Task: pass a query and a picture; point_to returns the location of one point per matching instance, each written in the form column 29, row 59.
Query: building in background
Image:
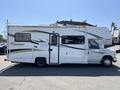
column 2, row 40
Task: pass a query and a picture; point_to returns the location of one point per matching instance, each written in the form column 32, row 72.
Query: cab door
column 94, row 52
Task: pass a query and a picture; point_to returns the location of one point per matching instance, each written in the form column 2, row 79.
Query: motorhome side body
column 57, row 45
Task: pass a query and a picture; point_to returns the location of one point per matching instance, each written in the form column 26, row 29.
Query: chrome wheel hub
column 107, row 62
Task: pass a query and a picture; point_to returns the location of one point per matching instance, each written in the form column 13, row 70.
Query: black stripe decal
column 34, row 42
column 94, row 35
column 14, row 50
column 11, row 35
column 22, row 50
column 73, row 47
column 80, row 49
column 37, row 42
column 37, row 31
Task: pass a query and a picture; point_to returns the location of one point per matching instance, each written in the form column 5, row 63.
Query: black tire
column 107, row 61
column 113, row 42
column 40, row 62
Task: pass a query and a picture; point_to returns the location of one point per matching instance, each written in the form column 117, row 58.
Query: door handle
column 50, row 49
column 88, row 52
column 35, row 46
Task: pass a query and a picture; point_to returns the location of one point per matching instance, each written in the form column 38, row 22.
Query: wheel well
column 42, row 58
column 107, row 56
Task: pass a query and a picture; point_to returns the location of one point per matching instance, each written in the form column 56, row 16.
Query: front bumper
column 114, row 59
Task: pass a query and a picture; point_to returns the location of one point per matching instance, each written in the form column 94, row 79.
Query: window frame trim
column 73, row 36
column 96, row 42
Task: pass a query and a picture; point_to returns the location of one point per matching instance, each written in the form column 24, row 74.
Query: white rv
column 56, row 45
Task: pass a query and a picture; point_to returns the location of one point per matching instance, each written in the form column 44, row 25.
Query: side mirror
column 102, row 46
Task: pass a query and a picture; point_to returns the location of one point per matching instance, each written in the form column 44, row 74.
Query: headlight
column 114, row 54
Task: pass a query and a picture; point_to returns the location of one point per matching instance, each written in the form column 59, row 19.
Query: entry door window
column 54, row 40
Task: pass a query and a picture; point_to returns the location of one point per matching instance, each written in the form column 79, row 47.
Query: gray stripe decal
column 94, row 35
column 99, row 52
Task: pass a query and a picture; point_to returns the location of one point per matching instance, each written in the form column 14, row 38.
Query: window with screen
column 22, row 37
column 73, row 39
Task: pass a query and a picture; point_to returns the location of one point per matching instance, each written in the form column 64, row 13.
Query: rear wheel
column 40, row 62
column 107, row 61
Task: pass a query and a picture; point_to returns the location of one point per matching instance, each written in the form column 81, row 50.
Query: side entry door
column 54, row 40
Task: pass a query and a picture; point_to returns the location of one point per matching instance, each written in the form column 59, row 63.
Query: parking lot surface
column 63, row 77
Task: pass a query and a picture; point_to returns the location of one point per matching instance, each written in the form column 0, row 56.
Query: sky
column 36, row 12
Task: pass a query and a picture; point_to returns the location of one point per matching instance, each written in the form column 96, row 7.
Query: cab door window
column 93, row 44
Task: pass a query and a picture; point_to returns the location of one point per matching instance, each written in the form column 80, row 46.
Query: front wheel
column 107, row 61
